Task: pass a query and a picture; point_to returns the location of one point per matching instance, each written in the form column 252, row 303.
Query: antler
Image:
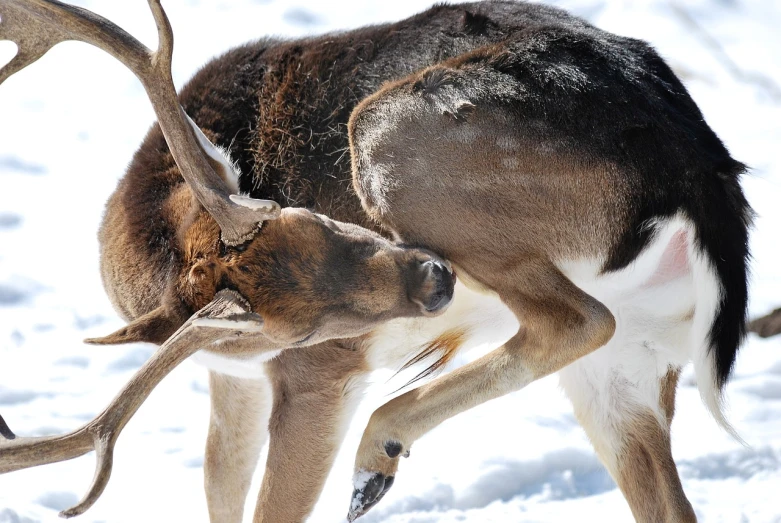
column 38, row 25
column 227, row 314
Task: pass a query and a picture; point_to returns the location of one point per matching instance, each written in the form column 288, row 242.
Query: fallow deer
column 595, row 222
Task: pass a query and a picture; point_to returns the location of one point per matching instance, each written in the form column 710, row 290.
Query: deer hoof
column 370, row 487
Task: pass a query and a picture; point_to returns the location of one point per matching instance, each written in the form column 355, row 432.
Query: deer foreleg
column 237, row 432
column 315, row 393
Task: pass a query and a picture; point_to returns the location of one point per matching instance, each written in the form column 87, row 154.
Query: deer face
column 312, row 279
column 308, row 277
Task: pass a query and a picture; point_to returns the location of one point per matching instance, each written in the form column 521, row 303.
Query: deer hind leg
column 628, row 421
column 560, row 323
column 315, row 393
column 237, row 431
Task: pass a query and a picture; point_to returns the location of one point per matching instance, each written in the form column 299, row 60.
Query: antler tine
column 227, row 313
column 38, row 25
column 165, row 35
column 5, row 431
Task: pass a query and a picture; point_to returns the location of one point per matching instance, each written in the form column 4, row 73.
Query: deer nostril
column 443, row 283
column 434, row 266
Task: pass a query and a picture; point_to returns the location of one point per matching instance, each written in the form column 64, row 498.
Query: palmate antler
column 38, row 25
column 227, row 315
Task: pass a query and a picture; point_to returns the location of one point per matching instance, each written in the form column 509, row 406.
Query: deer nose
column 443, row 281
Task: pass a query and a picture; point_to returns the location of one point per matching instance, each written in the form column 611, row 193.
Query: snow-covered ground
column 69, row 125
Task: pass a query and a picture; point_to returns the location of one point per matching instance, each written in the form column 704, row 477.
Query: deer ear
column 153, row 327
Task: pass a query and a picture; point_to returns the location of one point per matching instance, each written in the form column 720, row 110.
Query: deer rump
column 556, row 132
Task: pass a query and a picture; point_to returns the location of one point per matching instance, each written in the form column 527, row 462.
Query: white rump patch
column 664, row 304
column 709, row 293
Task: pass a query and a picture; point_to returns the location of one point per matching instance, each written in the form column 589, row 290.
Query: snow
column 519, row 458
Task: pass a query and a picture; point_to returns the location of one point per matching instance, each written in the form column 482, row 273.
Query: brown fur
column 647, row 474
column 667, row 389
column 555, row 199
column 504, row 228
column 310, row 388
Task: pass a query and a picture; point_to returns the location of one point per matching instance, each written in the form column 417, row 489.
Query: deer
column 570, row 204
